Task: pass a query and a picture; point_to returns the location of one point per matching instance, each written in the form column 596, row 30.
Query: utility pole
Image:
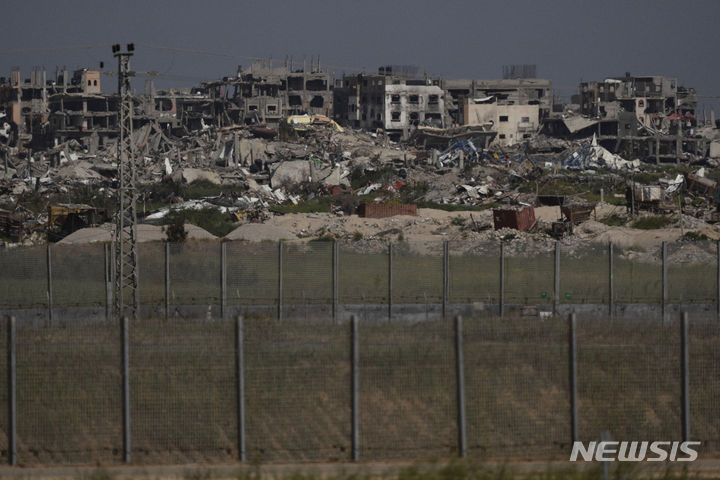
column 126, row 302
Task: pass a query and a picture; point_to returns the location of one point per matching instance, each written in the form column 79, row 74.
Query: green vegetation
column 359, row 177
column 613, row 220
column 695, row 236
column 452, row 207
column 652, row 222
column 211, row 219
column 317, row 204
column 458, row 221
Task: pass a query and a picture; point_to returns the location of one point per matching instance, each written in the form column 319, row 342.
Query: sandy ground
column 429, row 229
column 438, row 225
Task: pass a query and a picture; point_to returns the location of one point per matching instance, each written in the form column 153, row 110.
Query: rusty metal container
column 522, row 219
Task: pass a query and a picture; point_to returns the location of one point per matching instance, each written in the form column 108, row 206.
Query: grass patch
column 613, row 220
column 652, row 222
column 210, row 219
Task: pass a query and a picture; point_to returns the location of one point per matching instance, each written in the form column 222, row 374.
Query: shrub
column 652, row 222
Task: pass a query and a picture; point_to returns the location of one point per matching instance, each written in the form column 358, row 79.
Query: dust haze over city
column 246, row 238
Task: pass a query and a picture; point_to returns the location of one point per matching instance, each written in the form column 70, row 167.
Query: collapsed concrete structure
column 647, row 117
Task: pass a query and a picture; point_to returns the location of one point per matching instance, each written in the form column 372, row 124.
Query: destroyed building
column 263, row 93
column 513, row 123
column 82, row 111
column 507, row 91
column 389, row 101
column 647, row 117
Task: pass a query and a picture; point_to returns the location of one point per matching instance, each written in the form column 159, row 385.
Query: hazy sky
column 568, row 40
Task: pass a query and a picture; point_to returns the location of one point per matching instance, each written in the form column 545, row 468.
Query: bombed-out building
column 506, row 91
column 648, row 117
column 263, row 93
column 389, row 101
column 83, row 110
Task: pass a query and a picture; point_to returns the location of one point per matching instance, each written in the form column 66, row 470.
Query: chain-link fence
column 261, row 390
column 325, row 279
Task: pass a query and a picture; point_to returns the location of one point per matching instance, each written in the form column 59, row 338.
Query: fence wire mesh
column 474, row 274
column 252, row 273
column 183, row 394
column 516, row 376
column 704, row 341
column 68, row 392
column 23, row 281
column 417, row 273
column 363, row 276
column 195, row 276
column 407, row 390
column 78, row 275
column 692, row 272
column 307, row 274
column 529, row 273
column 297, row 384
column 584, row 274
column 637, row 275
column 183, row 385
column 195, row 273
column 151, row 266
column 629, row 379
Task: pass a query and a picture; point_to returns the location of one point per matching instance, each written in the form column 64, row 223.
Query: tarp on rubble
column 592, row 155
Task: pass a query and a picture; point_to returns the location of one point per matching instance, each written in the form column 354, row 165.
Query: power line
column 51, row 49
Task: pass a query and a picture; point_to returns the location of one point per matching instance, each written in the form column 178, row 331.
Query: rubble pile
column 312, row 157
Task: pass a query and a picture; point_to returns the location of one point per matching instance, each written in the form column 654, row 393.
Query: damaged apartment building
column 41, row 111
column 647, row 117
column 394, row 100
column 514, row 106
column 263, row 93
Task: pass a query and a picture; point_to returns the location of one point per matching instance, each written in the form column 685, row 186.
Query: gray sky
column 569, row 40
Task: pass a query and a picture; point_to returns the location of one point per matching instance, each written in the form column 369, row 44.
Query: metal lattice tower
column 126, row 301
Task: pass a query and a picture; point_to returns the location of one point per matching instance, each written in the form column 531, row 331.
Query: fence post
column 502, row 279
column 126, row 387
column 336, row 279
column 108, row 281
column 556, row 294
column 664, row 281
column 167, row 280
column 573, row 378
column 12, row 389
column 355, row 388
column 48, row 259
column 611, row 286
column 446, row 278
column 390, row 280
column 685, row 352
column 280, row 281
column 223, row 280
column 460, row 370
column 240, row 374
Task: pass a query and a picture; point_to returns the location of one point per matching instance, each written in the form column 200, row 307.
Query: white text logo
column 611, row 451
